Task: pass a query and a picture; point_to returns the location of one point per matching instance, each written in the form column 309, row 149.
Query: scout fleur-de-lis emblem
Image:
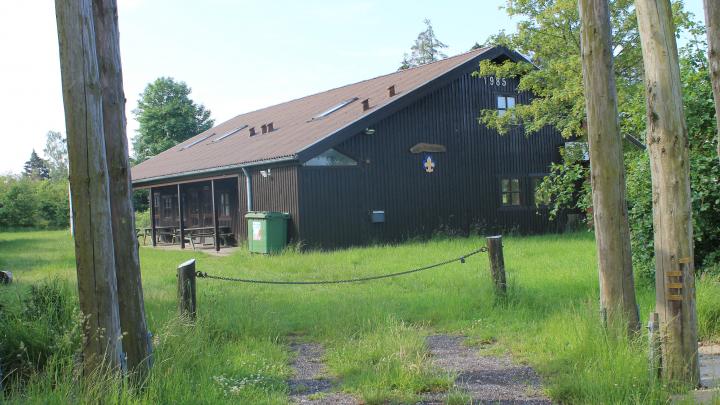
column 428, row 164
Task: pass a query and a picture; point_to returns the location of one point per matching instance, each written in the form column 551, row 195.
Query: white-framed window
column 505, row 103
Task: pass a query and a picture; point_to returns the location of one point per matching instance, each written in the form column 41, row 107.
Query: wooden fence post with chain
column 186, row 290
column 497, row 264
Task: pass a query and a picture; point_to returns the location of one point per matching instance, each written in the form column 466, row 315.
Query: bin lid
column 267, row 215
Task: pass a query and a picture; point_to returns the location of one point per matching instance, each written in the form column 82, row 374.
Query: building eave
column 209, row 172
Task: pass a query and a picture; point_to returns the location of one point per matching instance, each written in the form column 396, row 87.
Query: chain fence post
column 497, row 264
column 186, row 290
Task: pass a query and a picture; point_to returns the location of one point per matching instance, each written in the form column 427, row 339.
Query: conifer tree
column 427, row 48
column 36, row 168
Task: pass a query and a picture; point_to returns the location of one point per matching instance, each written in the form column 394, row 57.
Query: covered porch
column 200, row 214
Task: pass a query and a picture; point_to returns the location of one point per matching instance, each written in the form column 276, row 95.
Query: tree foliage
column 704, row 172
column 56, row 155
column 167, row 116
column 36, row 168
column 427, row 48
column 26, row 202
column 549, row 34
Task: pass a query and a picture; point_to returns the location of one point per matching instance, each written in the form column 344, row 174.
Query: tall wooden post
column 712, row 24
column 153, row 228
column 97, row 281
column 136, row 339
column 186, row 289
column 181, row 220
column 607, row 173
column 497, row 264
column 672, row 218
column 216, row 227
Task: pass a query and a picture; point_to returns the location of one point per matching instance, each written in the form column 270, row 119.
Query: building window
column 505, row 103
column 331, row 157
column 156, row 200
column 510, row 191
column 167, row 207
column 225, row 204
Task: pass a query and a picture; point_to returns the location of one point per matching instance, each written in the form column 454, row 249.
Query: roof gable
column 297, row 135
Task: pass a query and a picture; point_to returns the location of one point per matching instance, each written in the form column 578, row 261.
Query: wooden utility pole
column 712, row 24
column 136, row 340
column 672, row 218
column 97, row 282
column 607, row 170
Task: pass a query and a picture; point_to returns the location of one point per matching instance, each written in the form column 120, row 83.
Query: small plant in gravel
column 458, row 397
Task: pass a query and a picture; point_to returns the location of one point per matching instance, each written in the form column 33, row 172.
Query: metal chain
column 460, row 259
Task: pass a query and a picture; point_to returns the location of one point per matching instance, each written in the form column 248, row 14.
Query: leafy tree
column 427, row 48
column 25, row 202
column 56, row 154
column 549, row 32
column 36, row 168
column 167, row 116
column 18, row 205
column 141, row 200
column 561, row 186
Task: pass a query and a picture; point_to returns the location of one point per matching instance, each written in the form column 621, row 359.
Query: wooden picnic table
column 173, row 232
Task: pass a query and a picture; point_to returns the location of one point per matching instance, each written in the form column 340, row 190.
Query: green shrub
column 53, row 204
column 26, row 203
column 142, row 219
column 18, row 203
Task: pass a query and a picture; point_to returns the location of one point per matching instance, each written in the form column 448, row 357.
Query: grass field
column 374, row 332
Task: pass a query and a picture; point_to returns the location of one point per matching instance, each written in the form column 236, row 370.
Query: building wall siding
column 461, row 195
column 276, row 192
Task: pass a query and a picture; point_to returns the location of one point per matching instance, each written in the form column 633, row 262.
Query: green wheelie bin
column 267, row 231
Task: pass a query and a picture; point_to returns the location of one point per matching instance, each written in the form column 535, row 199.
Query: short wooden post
column 186, row 289
column 654, row 348
column 497, row 264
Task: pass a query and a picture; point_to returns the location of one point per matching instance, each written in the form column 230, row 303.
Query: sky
column 237, row 56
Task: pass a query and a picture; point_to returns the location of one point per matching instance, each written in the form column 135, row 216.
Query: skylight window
column 234, row 131
column 197, row 141
column 334, row 108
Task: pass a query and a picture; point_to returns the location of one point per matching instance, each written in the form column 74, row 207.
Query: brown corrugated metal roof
column 294, row 127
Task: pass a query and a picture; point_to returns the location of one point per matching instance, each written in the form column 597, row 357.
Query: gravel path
column 310, row 384
column 709, row 365
column 487, row 379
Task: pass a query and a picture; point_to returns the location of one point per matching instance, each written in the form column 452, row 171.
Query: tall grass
column 373, row 332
